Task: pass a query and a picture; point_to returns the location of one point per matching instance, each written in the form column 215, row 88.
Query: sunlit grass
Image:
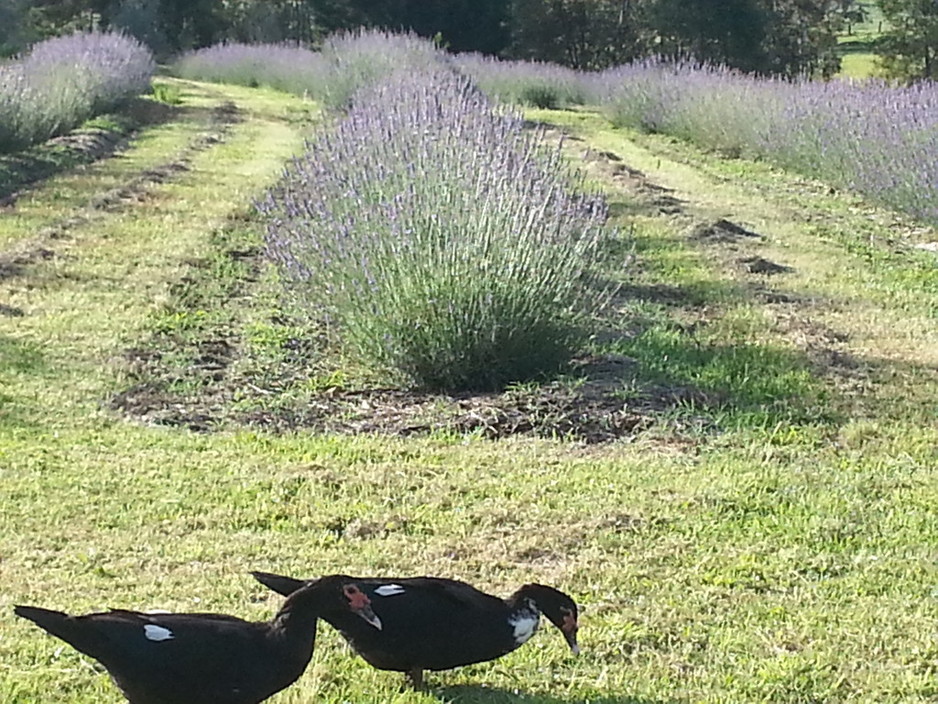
column 859, row 65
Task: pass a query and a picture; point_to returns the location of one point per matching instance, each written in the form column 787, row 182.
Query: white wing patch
column 525, row 625
column 157, row 633
column 389, row 590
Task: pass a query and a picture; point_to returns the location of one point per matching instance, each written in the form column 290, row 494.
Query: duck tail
column 279, row 583
column 59, row 624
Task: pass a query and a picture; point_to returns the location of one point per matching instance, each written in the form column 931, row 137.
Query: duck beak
column 569, row 628
column 571, row 641
column 367, row 613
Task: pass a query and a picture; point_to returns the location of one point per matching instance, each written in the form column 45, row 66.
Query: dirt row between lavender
column 97, row 247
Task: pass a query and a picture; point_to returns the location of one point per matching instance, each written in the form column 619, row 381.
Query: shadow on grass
column 478, row 694
column 652, row 203
column 753, row 383
column 21, row 357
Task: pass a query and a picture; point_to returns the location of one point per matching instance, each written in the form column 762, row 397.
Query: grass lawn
column 767, row 533
column 858, row 65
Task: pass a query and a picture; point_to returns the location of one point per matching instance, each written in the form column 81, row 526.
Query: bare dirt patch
column 11, row 311
column 722, row 231
column 761, row 265
column 600, row 402
column 656, row 198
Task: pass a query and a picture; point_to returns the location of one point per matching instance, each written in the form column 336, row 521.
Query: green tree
column 579, row 33
column 730, row 32
column 23, row 22
column 801, row 37
column 780, row 37
column 305, row 21
column 15, row 32
column 461, row 25
column 139, row 18
column 909, row 48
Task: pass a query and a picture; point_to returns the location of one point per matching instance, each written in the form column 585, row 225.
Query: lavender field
column 876, row 139
column 346, row 63
column 496, row 322
column 421, row 185
column 64, row 81
column 535, row 84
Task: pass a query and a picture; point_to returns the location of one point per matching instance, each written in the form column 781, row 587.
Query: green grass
column 859, row 65
column 771, row 538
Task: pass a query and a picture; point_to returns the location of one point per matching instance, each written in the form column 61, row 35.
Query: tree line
column 769, row 37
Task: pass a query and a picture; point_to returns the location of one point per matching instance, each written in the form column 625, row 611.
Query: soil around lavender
column 590, row 410
column 214, row 379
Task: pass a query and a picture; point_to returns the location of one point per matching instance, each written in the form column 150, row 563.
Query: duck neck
column 525, row 615
column 298, row 615
column 523, row 601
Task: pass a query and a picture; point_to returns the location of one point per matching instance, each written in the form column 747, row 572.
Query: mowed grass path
column 777, row 543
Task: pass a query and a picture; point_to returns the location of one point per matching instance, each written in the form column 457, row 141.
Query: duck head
column 559, row 609
column 358, row 602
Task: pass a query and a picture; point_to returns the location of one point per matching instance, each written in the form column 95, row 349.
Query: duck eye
column 356, row 597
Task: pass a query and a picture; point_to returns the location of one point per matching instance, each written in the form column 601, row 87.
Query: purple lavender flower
column 66, row 80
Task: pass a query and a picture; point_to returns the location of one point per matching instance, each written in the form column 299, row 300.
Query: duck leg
column 415, row 678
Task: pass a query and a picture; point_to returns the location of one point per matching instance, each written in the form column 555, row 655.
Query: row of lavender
column 346, row 63
column 66, row 80
column 876, row 139
column 438, row 237
column 350, row 61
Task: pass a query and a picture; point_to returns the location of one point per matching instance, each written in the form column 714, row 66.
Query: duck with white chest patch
column 432, row 623
column 196, row 658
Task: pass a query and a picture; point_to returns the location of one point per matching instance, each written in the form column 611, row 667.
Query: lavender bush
column 538, row 84
column 66, row 80
column 871, row 137
column 286, row 67
column 347, row 63
column 716, row 107
column 359, row 59
column 438, row 236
